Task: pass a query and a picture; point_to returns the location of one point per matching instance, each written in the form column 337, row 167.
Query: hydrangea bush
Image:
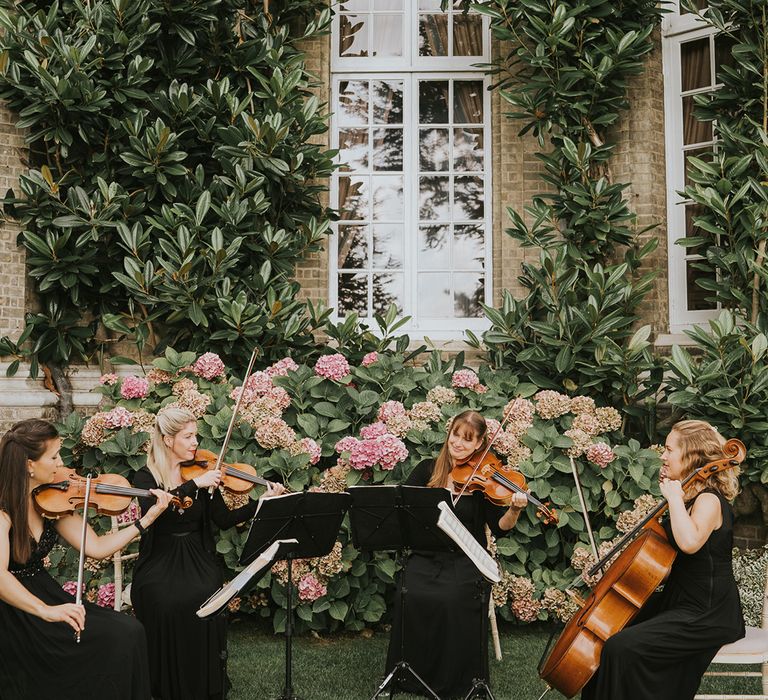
column 335, row 423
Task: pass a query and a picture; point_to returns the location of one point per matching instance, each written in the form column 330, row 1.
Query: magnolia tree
column 332, row 425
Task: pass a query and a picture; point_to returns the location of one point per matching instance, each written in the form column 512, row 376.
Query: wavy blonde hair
column 473, row 423
column 700, row 444
column 169, row 423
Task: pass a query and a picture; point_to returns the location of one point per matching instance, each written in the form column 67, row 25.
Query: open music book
column 229, row 590
column 452, row 526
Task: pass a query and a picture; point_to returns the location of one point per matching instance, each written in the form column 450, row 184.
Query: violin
column 235, row 478
column 497, row 482
column 111, row 494
column 623, row 590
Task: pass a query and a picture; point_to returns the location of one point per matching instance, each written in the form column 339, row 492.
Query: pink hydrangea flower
column 390, row 409
column 310, row 588
column 370, row 358
column 282, row 367
column 71, row 587
column 333, row 367
column 307, row 446
column 464, row 379
column 346, row 444
column 108, row 379
column 373, row 430
column 106, row 596
column 134, row 388
column 386, row 451
column 601, row 454
column 208, row 366
column 118, row 417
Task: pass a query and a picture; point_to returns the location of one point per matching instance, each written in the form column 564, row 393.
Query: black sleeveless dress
column 664, row 654
column 176, row 572
column 443, row 632
column 40, row 659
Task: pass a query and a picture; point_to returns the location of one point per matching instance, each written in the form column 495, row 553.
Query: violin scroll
column 547, row 514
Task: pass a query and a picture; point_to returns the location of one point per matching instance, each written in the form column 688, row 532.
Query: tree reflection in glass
column 388, row 149
column 353, row 35
column 434, row 198
column 353, row 198
column 353, row 103
column 469, row 246
column 434, row 252
column 467, row 35
column 468, row 101
column 468, row 197
column 353, row 149
column 433, row 35
column 387, row 289
column 468, row 149
column 468, row 293
column 353, row 294
column 387, row 246
column 387, row 102
column 433, row 101
column 388, row 198
column 353, row 247
column 433, row 149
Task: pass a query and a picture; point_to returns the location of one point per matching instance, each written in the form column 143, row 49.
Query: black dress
column 665, row 653
column 178, row 570
column 446, row 608
column 40, row 659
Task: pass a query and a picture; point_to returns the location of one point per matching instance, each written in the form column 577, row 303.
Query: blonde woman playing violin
column 178, row 569
column 39, row 657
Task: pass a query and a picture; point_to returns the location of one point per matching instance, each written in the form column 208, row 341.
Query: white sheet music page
column 453, row 527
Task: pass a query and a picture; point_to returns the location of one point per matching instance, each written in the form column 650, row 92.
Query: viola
column 235, row 477
column 497, row 482
column 624, row 588
column 110, row 494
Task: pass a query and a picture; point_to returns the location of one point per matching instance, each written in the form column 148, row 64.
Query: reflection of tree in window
column 387, row 290
column 433, row 35
column 469, row 293
column 353, row 198
column 353, row 294
column 434, row 199
column 352, row 248
column 468, row 198
column 433, row 149
column 388, row 149
column 433, row 101
column 353, row 102
column 387, row 102
column 353, row 35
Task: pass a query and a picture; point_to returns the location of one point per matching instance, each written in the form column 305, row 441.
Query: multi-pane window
column 692, row 54
column 413, row 188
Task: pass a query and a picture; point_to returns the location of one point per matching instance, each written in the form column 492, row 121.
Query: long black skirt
column 443, row 632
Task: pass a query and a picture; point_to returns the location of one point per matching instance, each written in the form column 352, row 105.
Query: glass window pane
column 387, row 289
column 434, row 251
column 387, row 35
column 353, row 247
column 388, row 246
column 468, row 198
column 387, row 4
column 353, row 198
column 353, row 149
column 469, row 292
column 694, row 131
column 434, row 291
column 723, row 47
column 433, row 35
column 468, row 149
column 433, row 101
column 353, row 102
column 468, row 247
column 433, row 149
column 694, row 64
column 388, row 198
column 354, row 5
column 434, row 198
column 388, row 149
column 697, row 297
column 467, row 35
column 353, row 294
column 693, row 211
column 429, row 5
column 468, row 101
column 387, row 102
column 353, row 35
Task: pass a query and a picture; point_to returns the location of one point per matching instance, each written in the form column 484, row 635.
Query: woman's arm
column 13, row 593
column 509, row 519
column 101, row 547
column 691, row 530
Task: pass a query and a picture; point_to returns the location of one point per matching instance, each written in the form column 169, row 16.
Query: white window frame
column 676, row 30
column 410, row 69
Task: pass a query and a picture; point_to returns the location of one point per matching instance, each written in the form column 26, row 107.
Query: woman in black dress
column 39, row 657
column 178, row 570
column 444, row 636
column 664, row 654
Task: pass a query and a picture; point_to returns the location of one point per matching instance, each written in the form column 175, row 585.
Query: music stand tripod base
column 396, row 674
column 479, row 689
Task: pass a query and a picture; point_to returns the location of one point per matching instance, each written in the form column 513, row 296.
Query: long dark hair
column 25, row 440
column 473, row 423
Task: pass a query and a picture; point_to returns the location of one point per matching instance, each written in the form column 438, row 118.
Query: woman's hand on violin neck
column 211, row 478
column 273, row 489
column 71, row 613
column 163, row 500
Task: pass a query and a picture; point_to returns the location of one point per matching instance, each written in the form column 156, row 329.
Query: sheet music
column 228, row 591
column 452, row 526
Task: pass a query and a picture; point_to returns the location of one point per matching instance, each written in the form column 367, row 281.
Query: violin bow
column 584, row 510
column 235, row 409
column 83, row 535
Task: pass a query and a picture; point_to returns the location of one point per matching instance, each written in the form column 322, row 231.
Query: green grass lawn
column 350, row 667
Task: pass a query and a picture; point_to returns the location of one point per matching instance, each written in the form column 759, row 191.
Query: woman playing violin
column 177, row 569
column 447, row 598
column 664, row 653
column 39, row 657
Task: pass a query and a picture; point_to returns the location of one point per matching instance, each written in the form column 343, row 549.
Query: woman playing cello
column 664, row 653
column 39, row 657
column 447, row 597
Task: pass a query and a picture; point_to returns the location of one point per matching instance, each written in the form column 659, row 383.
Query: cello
column 627, row 584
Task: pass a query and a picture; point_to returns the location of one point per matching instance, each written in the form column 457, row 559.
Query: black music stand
column 314, row 520
column 398, row 518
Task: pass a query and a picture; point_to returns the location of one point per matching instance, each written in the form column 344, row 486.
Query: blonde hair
column 700, row 444
column 476, row 424
column 170, row 422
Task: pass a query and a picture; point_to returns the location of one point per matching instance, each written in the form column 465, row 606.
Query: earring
column 31, row 475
